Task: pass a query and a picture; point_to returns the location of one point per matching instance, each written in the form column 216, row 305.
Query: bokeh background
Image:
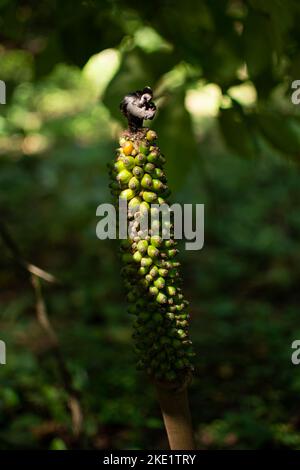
column 222, row 73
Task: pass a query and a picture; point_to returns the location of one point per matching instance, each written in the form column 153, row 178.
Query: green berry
column 173, row 273
column 181, row 333
column 153, row 290
column 144, row 207
column 155, row 225
column 124, row 176
column 149, row 196
column 154, row 271
column 149, row 167
column 153, row 156
column 146, row 181
column 156, row 241
column 143, row 270
column 119, row 166
column 172, row 253
column 140, row 159
column 146, row 261
column 137, row 257
column 183, row 323
column 161, row 298
column 134, row 183
column 128, row 162
column 157, row 185
column 144, row 148
column 134, row 203
column 152, row 251
column 151, row 135
column 159, row 173
column 171, row 290
column 138, row 172
column 159, row 283
column 170, row 316
column 149, row 278
column 163, row 272
column 142, row 246
column 144, row 282
column 127, row 194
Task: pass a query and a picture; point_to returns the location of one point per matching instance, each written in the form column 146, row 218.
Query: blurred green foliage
column 67, row 65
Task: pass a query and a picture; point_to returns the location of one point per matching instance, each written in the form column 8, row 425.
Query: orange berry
column 127, row 148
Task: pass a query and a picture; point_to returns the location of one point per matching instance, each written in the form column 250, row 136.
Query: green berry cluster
column 150, row 269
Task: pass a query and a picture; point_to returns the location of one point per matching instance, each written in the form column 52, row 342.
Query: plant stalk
column 175, row 409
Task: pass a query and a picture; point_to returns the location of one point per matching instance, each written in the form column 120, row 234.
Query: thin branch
column 20, row 261
column 35, row 274
column 45, row 324
column 38, row 272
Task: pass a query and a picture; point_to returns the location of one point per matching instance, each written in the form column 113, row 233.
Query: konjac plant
column 151, row 270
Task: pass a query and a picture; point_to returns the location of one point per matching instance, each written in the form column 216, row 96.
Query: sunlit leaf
column 101, row 68
column 150, row 41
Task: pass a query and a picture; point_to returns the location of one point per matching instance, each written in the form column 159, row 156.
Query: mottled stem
column 177, row 417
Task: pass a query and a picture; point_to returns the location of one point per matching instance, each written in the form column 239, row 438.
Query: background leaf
column 283, row 132
column 176, row 139
column 237, row 134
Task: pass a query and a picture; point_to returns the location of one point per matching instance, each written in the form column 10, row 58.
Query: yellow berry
column 127, row 148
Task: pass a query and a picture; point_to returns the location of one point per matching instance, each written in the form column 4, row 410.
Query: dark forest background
column 223, row 72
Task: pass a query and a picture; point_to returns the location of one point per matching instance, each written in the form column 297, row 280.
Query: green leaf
column 236, row 133
column 176, row 139
column 101, row 68
column 281, row 16
column 150, row 41
column 258, row 46
column 283, row 132
column 138, row 69
column 16, row 65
